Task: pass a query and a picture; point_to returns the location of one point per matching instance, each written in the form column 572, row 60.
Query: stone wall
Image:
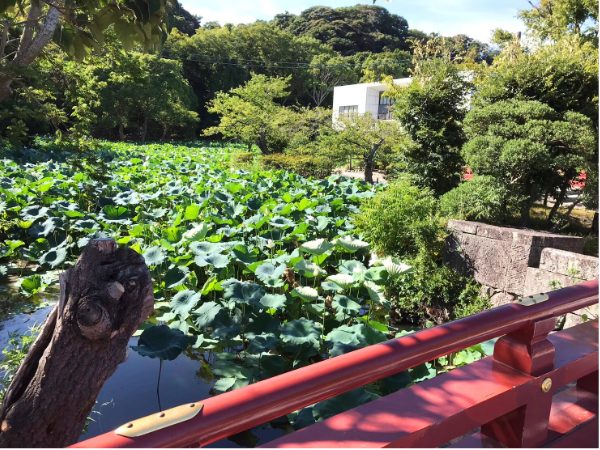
column 559, row 268
column 500, row 258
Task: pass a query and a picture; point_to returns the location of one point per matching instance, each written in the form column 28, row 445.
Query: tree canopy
column 28, row 26
column 349, row 30
column 528, row 147
column 431, row 109
column 250, row 112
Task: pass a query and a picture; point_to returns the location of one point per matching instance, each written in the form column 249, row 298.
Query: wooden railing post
column 589, row 383
column 529, row 351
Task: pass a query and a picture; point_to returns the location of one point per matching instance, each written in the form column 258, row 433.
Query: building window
column 384, row 111
column 348, row 110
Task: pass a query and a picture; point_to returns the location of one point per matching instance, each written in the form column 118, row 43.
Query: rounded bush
column 402, row 220
column 482, row 198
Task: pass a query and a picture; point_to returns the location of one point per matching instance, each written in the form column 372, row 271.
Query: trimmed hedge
column 305, row 165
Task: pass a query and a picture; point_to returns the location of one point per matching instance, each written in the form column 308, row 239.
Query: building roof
column 397, row 81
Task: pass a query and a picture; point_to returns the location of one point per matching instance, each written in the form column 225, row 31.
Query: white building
column 364, row 98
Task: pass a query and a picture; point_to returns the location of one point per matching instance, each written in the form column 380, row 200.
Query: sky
column 475, row 18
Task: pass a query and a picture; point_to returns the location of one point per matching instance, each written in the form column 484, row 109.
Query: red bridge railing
column 539, row 388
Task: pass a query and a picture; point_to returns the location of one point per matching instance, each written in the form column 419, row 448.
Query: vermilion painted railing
column 523, row 362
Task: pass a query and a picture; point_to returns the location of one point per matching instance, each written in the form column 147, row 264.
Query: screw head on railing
column 546, row 385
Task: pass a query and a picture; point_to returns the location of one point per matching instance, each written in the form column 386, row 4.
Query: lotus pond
column 255, row 272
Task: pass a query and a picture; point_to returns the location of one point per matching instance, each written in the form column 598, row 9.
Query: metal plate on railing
column 160, row 420
column 533, row 299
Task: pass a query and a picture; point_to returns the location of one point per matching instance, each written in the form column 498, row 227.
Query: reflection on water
column 131, row 391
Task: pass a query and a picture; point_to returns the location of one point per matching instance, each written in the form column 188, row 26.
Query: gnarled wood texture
column 103, row 300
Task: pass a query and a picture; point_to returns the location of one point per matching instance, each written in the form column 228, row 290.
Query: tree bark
column 557, row 202
column 121, row 132
column 103, row 300
column 30, row 46
column 5, row 87
column 368, row 170
column 26, row 55
column 144, row 130
column 262, row 143
column 369, row 161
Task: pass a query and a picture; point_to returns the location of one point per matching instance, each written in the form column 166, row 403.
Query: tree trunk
column 368, row 170
column 262, row 143
column 5, row 89
column 594, row 227
column 369, row 161
column 103, row 300
column 121, row 132
column 144, row 129
column 165, row 131
column 44, row 33
column 573, row 205
column 525, row 218
column 557, row 202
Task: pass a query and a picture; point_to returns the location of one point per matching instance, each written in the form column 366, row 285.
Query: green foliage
column 482, row 198
column 432, row 292
column 223, row 58
column 553, row 19
column 32, row 25
column 364, row 138
column 13, row 355
column 250, row 114
column 431, row 110
column 256, row 267
column 349, row 29
column 528, row 147
column 404, row 221
column 378, row 66
column 327, row 71
column 115, row 96
column 563, row 75
column 401, row 220
column 305, row 165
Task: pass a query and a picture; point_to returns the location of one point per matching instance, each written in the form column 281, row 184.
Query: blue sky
column 475, row 18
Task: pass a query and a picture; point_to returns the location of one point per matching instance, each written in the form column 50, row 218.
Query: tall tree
column 377, row 66
column 250, row 112
column 327, row 71
column 364, row 138
column 28, row 26
column 529, row 148
column 350, row 29
column 431, row 109
column 554, row 19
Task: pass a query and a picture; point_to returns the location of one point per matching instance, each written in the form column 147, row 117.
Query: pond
column 131, row 392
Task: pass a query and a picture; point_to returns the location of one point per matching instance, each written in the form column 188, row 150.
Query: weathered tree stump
column 103, row 300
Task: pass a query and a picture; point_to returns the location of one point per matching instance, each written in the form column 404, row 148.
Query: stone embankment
column 511, row 262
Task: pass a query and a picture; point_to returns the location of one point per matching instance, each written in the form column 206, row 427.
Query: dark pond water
column 131, row 392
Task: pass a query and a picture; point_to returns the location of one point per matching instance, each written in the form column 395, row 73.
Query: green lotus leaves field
column 258, row 272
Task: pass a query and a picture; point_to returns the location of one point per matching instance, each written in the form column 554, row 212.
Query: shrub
column 483, row 198
column 305, row 165
column 433, row 292
column 401, row 220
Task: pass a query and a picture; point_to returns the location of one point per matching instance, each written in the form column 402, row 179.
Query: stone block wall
column 499, row 257
column 559, row 268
